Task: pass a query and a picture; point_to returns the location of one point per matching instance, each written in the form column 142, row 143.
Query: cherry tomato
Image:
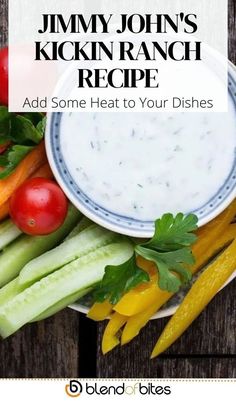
column 38, row 206
column 4, row 76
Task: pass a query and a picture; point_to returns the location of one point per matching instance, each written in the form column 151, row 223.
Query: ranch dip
column 141, row 165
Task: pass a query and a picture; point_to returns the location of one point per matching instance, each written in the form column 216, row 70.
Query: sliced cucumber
column 9, row 291
column 83, row 224
column 8, row 233
column 62, row 304
column 74, row 277
column 83, row 243
column 22, row 250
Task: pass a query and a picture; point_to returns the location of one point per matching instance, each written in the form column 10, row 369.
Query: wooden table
column 68, row 345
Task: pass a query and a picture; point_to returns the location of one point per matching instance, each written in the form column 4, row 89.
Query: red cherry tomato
column 38, row 206
column 4, row 76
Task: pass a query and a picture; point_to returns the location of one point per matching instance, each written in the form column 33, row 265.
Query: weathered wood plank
column 208, row 367
column 45, row 349
column 181, row 367
column 213, row 333
column 232, row 30
column 3, row 22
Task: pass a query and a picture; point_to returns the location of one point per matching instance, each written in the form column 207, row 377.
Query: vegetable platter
column 53, row 256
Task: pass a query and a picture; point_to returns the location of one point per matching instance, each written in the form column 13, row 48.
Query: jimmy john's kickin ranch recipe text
column 132, row 57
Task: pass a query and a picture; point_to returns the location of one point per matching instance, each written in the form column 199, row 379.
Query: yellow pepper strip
column 226, row 216
column 212, row 230
column 226, row 237
column 100, row 311
column 110, row 339
column 207, row 235
column 140, row 298
column 201, row 293
column 209, row 242
column 138, row 321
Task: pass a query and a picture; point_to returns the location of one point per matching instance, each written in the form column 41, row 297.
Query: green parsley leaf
column 11, row 158
column 169, row 249
column 22, row 130
column 172, row 233
column 118, row 280
column 41, row 126
column 4, row 125
column 169, row 264
column 34, row 117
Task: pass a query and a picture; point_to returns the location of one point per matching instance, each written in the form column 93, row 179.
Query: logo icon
column 74, row 388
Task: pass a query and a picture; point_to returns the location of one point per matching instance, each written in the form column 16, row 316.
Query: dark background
column 68, row 345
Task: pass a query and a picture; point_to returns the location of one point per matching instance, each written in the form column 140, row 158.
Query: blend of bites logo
column 75, row 388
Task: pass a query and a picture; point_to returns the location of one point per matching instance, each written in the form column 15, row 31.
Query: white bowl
column 124, row 224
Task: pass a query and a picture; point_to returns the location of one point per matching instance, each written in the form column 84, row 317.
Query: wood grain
column 51, row 348
column 180, row 367
column 3, row 22
column 212, row 334
column 232, row 30
column 46, row 349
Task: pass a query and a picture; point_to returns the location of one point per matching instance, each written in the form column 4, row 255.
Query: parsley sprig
column 169, row 249
column 22, row 132
column 119, row 280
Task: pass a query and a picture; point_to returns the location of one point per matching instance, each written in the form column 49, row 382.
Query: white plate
column 167, row 311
